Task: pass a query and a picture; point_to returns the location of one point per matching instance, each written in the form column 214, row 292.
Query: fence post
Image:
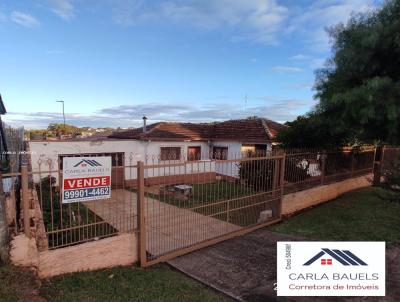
column 4, row 237
column 25, row 200
column 141, row 214
column 228, row 208
column 282, row 182
column 323, row 158
column 378, row 165
column 275, row 182
column 352, row 163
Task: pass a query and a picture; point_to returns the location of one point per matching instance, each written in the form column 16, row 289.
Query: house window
column 194, row 153
column 170, row 153
column 248, row 150
column 220, row 153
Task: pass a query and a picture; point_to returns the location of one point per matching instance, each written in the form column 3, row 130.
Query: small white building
column 193, row 145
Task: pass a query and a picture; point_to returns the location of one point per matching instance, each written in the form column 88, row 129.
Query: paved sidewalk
column 168, row 227
column 245, row 268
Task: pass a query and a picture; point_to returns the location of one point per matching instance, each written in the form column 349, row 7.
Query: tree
column 58, row 129
column 312, row 131
column 359, row 88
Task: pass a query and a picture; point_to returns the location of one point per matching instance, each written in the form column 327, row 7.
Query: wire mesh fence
column 306, row 169
column 390, row 154
column 188, row 198
column 72, row 223
column 186, row 203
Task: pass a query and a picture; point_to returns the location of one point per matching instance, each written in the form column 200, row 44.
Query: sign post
column 86, row 178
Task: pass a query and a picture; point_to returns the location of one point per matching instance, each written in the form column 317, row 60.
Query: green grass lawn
column 18, row 284
column 158, row 283
column 207, row 193
column 356, row 216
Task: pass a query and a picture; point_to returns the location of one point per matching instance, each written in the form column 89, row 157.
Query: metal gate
column 185, row 206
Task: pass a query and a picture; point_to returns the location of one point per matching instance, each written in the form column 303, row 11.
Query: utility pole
column 62, row 112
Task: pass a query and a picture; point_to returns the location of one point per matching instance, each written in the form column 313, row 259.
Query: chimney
column 144, row 124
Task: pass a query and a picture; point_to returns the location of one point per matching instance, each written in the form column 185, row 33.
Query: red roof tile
column 255, row 130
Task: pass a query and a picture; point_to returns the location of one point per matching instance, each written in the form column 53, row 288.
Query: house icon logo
column 90, row 162
column 344, row 257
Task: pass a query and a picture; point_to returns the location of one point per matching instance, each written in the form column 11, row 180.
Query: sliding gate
column 184, row 206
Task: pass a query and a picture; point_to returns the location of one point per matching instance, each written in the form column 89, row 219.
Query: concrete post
column 4, row 240
column 25, row 200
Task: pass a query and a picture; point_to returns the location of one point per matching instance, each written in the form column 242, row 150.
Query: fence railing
column 237, row 190
column 184, row 209
column 390, row 154
column 306, row 169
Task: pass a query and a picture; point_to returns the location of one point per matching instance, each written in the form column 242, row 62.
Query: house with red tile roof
column 166, row 142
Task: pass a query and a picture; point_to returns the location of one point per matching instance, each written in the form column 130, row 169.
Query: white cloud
column 24, row 19
column 54, row 52
column 265, row 21
column 287, row 69
column 299, row 57
column 63, row 8
column 3, row 16
column 258, row 20
column 317, row 63
column 131, row 115
column 313, row 20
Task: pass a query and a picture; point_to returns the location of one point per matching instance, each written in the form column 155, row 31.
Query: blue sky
column 113, row 61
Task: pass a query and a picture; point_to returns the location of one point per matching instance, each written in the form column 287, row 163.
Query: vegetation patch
column 360, row 215
column 158, row 283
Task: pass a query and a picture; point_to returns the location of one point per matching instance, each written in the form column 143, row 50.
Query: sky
column 113, row 61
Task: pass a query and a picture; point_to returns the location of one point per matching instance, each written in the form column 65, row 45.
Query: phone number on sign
column 82, row 193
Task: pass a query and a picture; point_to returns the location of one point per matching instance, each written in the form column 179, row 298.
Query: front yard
column 356, row 216
column 219, row 200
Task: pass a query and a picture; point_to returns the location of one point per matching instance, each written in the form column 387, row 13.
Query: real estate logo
column 85, row 178
column 90, row 162
column 330, row 269
column 344, row 257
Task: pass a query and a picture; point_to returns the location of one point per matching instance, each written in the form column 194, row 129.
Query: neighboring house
column 167, row 142
column 3, row 142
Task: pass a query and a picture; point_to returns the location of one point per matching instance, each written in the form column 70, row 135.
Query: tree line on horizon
column 57, row 130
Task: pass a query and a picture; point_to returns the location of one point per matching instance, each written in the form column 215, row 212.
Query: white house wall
column 47, row 152
column 153, row 150
column 134, row 150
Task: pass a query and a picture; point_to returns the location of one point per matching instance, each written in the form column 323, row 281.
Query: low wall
column 104, row 253
column 297, row 201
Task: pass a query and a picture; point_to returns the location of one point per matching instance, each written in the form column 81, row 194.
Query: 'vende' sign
column 86, row 178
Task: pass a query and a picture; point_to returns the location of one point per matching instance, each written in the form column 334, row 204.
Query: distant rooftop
column 2, row 107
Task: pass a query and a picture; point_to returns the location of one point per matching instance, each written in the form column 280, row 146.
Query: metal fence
column 305, row 169
column 180, row 203
column 188, row 205
column 390, row 154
